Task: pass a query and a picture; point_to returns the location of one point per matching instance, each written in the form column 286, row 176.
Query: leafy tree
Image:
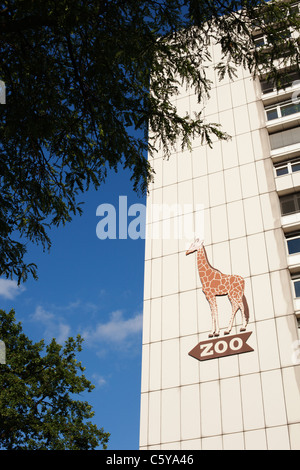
column 78, row 75
column 38, row 386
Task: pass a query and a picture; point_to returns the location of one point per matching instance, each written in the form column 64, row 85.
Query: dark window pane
column 296, row 166
column 288, row 206
column 282, row 170
column 293, row 245
column 297, row 288
column 272, row 114
column 289, row 109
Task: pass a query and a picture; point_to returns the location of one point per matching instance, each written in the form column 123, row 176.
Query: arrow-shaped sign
column 221, row 347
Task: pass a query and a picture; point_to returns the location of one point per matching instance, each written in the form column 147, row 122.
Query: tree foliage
column 38, row 389
column 78, row 104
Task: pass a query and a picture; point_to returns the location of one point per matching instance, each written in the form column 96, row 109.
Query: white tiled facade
column 245, row 401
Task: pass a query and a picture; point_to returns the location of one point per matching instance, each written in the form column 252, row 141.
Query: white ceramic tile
column 245, row 148
column 262, row 297
column 210, row 408
column 143, row 437
column 155, row 321
column 229, row 366
column 170, row 204
column 155, row 366
column 233, row 441
column 273, row 398
column 189, row 366
column 256, row 115
column 188, row 313
column 267, row 344
column 261, row 144
column 232, row 184
column 288, row 341
column 275, row 243
column 147, row 279
column 281, row 292
column 278, row 438
column 253, row 414
column 200, row 189
column 145, row 368
column 231, row 406
column 170, row 274
column 291, row 380
column 170, row 415
column 157, row 165
column 219, row 226
column 169, row 170
column 190, row 412
column 241, row 119
column 170, row 235
column 294, row 431
column 185, row 193
column 265, row 175
column 170, row 363
column 192, row 444
column 156, row 277
column 253, row 218
column 156, row 203
column 146, row 321
column 170, row 316
column 224, row 97
column 239, row 257
column 199, row 160
column 236, row 219
column 211, row 104
column 187, row 271
column 257, row 254
column 230, row 157
column 270, row 210
column 212, row 443
column 227, row 121
column 248, row 180
column 184, row 160
column 154, row 417
column 238, row 93
column 156, row 238
column 256, row 440
column 216, row 188
column 214, row 157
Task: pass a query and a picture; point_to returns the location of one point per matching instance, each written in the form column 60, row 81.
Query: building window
column 293, row 243
column 288, row 80
column 296, row 283
column 290, row 203
column 288, row 167
column 284, row 109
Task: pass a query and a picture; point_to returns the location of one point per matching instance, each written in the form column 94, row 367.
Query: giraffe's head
column 195, row 246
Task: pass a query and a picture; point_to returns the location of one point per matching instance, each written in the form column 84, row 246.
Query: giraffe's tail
column 246, row 308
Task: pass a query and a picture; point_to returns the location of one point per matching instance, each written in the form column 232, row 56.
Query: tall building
column 238, row 389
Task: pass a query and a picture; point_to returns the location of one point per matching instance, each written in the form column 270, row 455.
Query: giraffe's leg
column 235, row 307
column 245, row 321
column 215, row 331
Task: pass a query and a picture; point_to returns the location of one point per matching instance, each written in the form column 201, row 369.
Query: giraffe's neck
column 204, row 268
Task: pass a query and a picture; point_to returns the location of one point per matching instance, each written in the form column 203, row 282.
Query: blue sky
column 95, row 288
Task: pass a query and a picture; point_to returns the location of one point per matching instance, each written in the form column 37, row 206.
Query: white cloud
column 98, row 380
column 116, row 330
column 9, row 289
column 55, row 327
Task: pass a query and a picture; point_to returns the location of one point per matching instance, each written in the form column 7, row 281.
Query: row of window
column 283, row 109
column 287, row 167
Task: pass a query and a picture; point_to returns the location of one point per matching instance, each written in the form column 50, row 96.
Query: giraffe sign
column 215, row 283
